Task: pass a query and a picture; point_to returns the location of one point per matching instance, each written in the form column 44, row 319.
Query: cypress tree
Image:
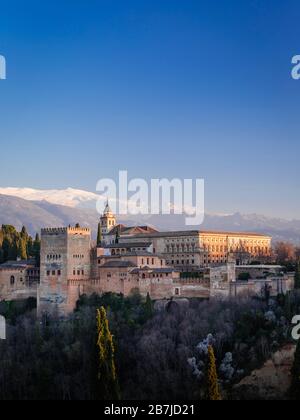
column 37, row 249
column 117, row 236
column 148, row 307
column 99, row 235
column 288, row 312
column 213, row 392
column 24, row 233
column 108, row 387
column 29, row 247
column 297, row 276
column 22, row 249
column 295, row 386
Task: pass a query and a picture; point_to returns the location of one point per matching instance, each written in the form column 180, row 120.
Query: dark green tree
column 149, row 307
column 29, row 247
column 99, row 235
column 297, row 276
column 117, row 236
column 295, row 387
column 37, row 249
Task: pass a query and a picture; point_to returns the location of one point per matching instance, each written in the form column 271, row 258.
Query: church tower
column 108, row 220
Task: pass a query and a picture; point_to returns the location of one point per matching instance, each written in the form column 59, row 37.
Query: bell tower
column 108, row 220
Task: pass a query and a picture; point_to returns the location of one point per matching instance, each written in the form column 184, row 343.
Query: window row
column 78, row 272
column 53, row 257
column 53, row 273
column 149, row 261
column 181, row 262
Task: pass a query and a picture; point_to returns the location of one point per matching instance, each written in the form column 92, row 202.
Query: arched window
column 12, row 280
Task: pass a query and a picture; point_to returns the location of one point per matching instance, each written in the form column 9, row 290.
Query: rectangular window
column 53, row 273
column 48, row 273
column 59, row 273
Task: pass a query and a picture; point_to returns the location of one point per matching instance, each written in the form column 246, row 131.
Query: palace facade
column 165, row 265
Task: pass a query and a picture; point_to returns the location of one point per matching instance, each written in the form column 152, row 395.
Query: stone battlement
column 63, row 230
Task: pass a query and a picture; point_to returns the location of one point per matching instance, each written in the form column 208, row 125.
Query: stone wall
column 14, row 284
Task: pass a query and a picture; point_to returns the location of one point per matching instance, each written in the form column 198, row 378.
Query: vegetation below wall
column 14, row 245
column 158, row 355
column 13, row 310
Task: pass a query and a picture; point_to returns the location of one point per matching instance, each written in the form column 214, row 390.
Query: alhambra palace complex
column 167, row 265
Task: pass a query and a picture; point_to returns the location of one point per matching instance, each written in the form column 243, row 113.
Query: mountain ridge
column 37, row 214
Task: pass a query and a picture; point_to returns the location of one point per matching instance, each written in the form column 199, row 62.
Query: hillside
column 37, row 214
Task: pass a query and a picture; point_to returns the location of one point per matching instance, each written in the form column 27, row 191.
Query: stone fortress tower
column 108, row 221
column 65, row 261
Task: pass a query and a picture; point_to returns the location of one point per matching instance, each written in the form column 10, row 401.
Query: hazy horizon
column 58, row 196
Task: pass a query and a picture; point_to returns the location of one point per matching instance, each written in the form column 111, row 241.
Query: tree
column 244, row 276
column 29, row 247
column 295, row 387
column 22, row 248
column 285, row 252
column 108, row 386
column 36, row 249
column 14, row 244
column 24, row 234
column 148, row 307
column 213, row 392
column 99, row 235
column 297, row 253
column 267, row 292
column 297, row 276
column 117, row 236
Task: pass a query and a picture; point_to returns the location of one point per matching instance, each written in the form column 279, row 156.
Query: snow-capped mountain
column 69, row 197
column 41, row 208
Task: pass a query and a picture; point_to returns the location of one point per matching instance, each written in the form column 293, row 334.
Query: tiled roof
column 196, row 233
column 130, row 245
column 141, row 254
column 118, row 264
column 18, row 264
column 132, row 230
column 153, row 270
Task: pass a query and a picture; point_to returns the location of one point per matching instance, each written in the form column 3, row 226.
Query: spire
column 107, row 209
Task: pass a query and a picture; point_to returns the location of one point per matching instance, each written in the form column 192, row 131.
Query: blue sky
column 169, row 88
